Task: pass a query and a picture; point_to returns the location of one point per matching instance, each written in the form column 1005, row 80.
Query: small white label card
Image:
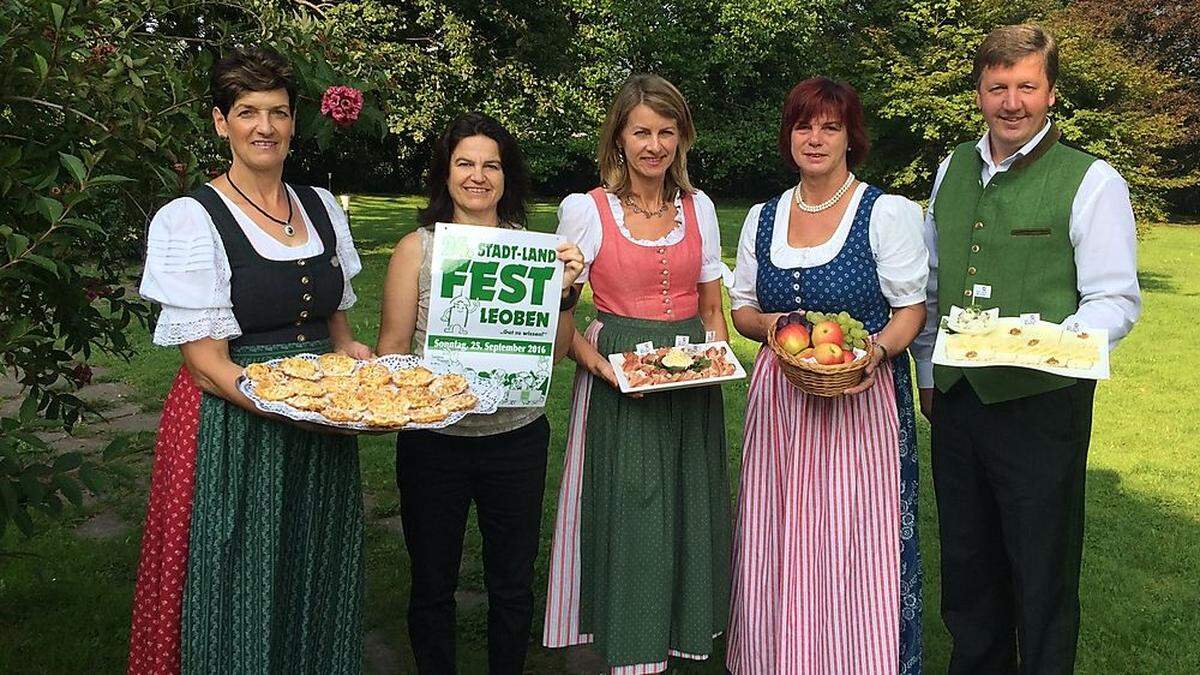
column 982, row 291
column 1030, row 318
column 681, row 340
column 710, row 336
column 644, row 348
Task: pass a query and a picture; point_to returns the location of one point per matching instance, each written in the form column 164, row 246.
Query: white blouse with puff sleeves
column 187, row 270
column 901, row 259
column 579, row 221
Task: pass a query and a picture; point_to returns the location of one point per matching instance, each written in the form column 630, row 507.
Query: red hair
column 819, row 97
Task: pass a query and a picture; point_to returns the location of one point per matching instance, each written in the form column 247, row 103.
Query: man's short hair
column 1006, row 45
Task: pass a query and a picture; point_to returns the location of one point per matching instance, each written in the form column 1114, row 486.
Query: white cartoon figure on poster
column 458, row 314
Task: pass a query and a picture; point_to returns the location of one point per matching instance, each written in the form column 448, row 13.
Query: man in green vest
column 1021, row 222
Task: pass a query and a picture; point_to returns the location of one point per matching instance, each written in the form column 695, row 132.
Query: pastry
column 314, row 403
column 428, row 414
column 447, row 385
column 259, row 372
column 385, row 401
column 301, row 368
column 373, row 374
column 335, row 383
column 412, row 377
column 459, row 402
column 307, row 388
column 341, row 415
column 336, row 364
column 351, row 400
column 391, row 420
column 417, row 397
column 272, row 390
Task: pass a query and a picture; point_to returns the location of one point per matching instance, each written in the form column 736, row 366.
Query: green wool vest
column 1013, row 235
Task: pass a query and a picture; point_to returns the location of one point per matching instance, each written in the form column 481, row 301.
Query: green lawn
column 67, row 609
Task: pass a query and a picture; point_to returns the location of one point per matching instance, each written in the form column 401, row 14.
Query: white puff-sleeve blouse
column 901, row 259
column 579, row 221
column 187, row 270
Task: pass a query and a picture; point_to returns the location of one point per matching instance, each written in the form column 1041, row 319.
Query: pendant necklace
column 648, row 214
column 817, row 208
column 286, row 224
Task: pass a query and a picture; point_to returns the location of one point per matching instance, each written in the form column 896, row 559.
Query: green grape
column 860, row 343
column 843, row 316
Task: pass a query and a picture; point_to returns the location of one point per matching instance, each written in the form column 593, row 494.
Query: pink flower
column 342, row 104
column 82, row 374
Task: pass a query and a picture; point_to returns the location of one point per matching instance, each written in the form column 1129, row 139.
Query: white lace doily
column 489, row 394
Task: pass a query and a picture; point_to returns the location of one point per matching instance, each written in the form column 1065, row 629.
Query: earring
column 620, row 155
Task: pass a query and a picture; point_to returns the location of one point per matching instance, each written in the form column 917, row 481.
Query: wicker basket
column 817, row 379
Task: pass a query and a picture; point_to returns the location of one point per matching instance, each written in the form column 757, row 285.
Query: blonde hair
column 663, row 98
column 1006, row 45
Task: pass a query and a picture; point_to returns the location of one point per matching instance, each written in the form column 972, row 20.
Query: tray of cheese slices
column 389, row 393
column 1023, row 343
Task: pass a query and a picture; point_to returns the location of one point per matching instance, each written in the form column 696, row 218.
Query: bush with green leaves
column 104, row 116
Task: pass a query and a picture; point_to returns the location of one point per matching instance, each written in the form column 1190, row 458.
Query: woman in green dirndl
column 252, row 550
column 640, row 562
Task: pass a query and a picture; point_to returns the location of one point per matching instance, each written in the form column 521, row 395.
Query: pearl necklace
column 817, row 208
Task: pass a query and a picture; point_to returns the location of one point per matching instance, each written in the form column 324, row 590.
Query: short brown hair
column 663, row 98
column 818, row 97
column 1006, row 45
column 251, row 69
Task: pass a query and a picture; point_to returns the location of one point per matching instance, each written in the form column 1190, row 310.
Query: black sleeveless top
column 278, row 301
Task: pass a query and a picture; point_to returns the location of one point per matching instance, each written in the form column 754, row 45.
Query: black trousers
column 1009, row 479
column 438, row 476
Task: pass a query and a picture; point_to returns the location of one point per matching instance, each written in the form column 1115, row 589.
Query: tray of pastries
column 389, row 393
column 691, row 365
column 1039, row 345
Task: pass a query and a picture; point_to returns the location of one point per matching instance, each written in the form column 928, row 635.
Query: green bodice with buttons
column 1014, row 236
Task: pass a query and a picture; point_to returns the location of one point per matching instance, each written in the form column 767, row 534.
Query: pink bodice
column 646, row 282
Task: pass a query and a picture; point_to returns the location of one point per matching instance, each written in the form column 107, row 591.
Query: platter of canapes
column 1024, row 343
column 392, row 392
column 679, row 367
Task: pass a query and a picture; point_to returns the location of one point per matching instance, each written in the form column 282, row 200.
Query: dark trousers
column 438, row 476
column 1009, row 479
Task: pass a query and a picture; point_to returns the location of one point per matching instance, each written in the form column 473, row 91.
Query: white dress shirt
column 895, row 238
column 187, row 270
column 1103, row 233
column 579, row 221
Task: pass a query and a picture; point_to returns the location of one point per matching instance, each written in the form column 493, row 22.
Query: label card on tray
column 710, row 336
column 644, row 348
column 681, row 340
column 1031, row 318
column 982, row 291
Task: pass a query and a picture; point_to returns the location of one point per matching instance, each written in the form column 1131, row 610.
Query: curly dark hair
column 511, row 207
column 251, row 69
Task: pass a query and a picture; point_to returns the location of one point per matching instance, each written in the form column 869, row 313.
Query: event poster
column 493, row 307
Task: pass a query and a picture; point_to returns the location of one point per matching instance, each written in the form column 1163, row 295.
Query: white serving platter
column 488, row 393
column 1099, row 371
column 738, row 371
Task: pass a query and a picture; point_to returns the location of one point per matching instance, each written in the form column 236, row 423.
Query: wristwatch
column 569, row 299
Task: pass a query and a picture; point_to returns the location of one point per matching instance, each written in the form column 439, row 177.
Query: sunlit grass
column 68, row 610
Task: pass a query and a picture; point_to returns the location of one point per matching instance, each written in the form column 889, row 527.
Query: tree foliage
column 103, row 117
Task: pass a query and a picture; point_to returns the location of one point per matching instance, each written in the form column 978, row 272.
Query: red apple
column 827, row 332
column 847, row 356
column 828, row 353
column 792, row 338
column 805, row 354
